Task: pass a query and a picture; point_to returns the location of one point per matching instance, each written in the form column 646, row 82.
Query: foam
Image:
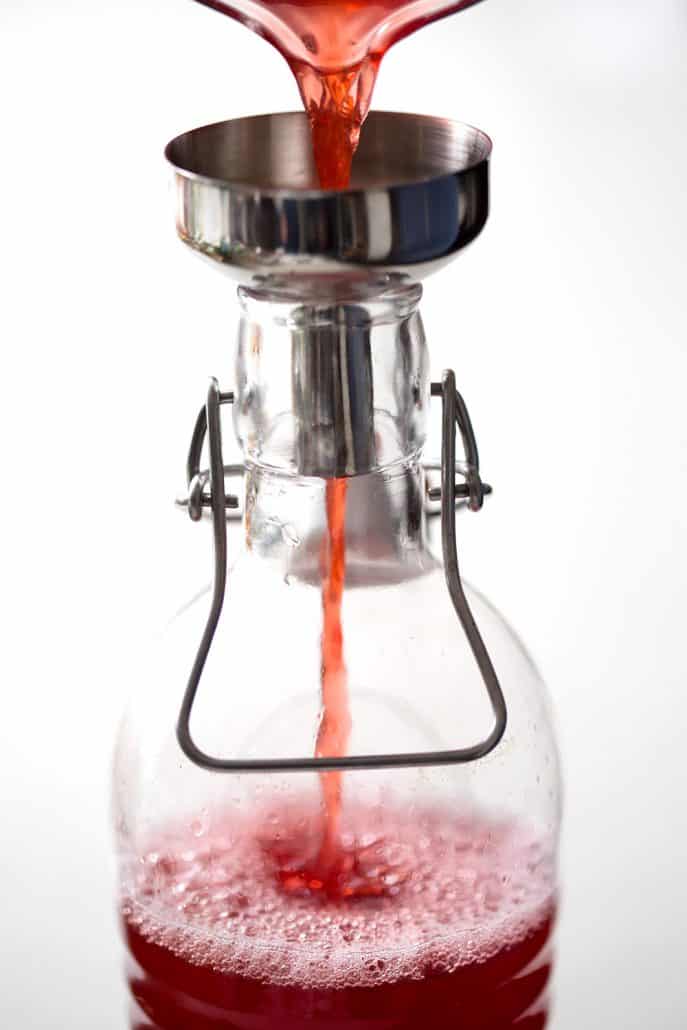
column 460, row 890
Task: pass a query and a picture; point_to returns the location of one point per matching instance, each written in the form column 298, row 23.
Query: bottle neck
column 285, row 523
column 334, row 389
column 331, row 388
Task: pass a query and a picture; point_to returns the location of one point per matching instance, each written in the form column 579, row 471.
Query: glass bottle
column 380, row 896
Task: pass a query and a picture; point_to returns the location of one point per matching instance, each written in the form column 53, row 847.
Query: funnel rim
column 312, row 193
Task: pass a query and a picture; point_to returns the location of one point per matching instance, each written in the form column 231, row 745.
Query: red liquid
column 324, row 868
column 335, row 725
column 334, row 48
column 459, row 939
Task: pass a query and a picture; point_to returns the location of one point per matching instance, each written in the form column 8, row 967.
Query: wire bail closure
column 473, row 490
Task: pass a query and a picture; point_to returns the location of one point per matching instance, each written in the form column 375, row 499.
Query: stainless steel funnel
column 247, row 197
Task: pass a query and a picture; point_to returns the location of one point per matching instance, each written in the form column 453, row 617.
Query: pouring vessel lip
column 308, row 192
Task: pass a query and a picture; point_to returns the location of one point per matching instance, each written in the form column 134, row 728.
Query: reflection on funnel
column 334, row 48
column 247, row 197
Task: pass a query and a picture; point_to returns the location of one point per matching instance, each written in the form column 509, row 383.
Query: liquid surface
column 334, row 48
column 459, row 938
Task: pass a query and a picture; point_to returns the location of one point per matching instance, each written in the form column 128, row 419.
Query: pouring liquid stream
column 335, row 725
column 334, row 49
column 330, row 870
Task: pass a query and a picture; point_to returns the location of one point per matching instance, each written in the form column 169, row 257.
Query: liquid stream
column 335, row 723
column 334, row 49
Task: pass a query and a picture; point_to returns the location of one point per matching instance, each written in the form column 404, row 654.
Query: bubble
column 199, row 826
column 289, row 535
column 309, row 42
column 469, row 888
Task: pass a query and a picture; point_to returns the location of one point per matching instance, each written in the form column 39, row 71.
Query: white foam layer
column 459, row 891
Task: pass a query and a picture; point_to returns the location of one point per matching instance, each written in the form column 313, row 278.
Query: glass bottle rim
column 311, row 300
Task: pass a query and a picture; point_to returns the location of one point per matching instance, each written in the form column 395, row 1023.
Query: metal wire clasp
column 454, row 413
column 198, row 498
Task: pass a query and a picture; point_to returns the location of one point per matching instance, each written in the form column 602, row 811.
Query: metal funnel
column 247, row 196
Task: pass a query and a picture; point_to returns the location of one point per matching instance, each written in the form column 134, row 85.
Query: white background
column 566, row 326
